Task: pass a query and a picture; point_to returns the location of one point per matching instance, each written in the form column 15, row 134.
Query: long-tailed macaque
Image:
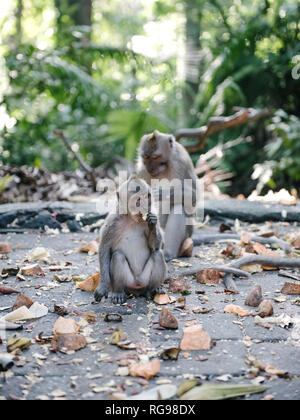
column 160, row 157
column 130, row 250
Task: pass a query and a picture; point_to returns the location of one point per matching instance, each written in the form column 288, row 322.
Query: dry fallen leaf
column 291, row 289
column 65, row 326
column 22, row 300
column 68, row 342
column 168, row 320
column 178, row 285
column 18, row 342
column 5, row 248
column 90, row 248
column 32, row 270
column 209, row 277
column 90, row 284
column 38, row 254
column 161, row 299
column 196, row 338
column 237, row 310
column 170, row 354
column 145, row 370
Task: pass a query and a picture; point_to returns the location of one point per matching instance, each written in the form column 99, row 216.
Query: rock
column 168, row 320
column 73, row 226
column 255, row 297
column 64, row 216
column 196, row 338
column 265, row 309
column 7, row 218
column 39, row 222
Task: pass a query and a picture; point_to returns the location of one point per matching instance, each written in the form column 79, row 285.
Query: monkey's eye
column 156, row 157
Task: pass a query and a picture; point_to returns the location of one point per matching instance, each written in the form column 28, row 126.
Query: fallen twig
column 82, row 163
column 205, row 239
column 222, row 268
column 267, row 261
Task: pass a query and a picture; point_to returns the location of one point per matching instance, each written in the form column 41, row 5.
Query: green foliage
column 281, row 167
column 88, row 81
column 4, row 182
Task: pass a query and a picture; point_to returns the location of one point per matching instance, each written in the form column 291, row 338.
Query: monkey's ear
column 171, row 141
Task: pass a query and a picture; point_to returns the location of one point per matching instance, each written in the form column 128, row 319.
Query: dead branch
column 268, row 261
column 273, row 241
column 77, row 156
column 216, row 124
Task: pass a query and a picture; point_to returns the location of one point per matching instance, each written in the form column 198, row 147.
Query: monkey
column 161, row 157
column 131, row 246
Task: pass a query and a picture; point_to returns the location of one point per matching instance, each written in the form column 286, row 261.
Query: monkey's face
column 135, row 196
column 156, row 153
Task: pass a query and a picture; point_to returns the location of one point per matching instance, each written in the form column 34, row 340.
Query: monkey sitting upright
column 130, row 250
column 160, row 157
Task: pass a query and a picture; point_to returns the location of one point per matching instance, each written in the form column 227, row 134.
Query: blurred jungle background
column 104, row 73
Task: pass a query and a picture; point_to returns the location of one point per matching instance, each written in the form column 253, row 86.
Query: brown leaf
column 291, row 289
column 171, row 354
column 145, row 370
column 113, row 318
column 7, row 290
column 168, row 320
column 68, row 342
column 265, row 309
column 232, row 251
column 161, row 299
column 209, row 277
column 237, row 310
column 5, row 248
column 32, row 270
column 90, row 284
column 254, row 298
column 91, row 247
column 65, row 326
column 178, row 285
column 196, row 338
column 60, row 310
column 22, row 300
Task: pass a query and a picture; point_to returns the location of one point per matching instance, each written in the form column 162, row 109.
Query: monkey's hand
column 151, row 220
column 101, row 292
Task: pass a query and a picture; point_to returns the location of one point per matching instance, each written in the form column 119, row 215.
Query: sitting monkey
column 160, row 157
column 130, row 250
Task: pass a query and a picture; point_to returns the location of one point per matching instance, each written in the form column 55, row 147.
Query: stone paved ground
column 45, row 372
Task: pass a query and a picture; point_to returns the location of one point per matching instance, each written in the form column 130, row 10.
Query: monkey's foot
column 160, row 291
column 118, row 298
column 100, row 293
column 187, row 247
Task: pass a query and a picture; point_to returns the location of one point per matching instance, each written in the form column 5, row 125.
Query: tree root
column 268, row 261
column 273, row 241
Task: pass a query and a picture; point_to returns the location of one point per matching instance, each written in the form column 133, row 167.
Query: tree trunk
column 192, row 56
column 19, row 13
